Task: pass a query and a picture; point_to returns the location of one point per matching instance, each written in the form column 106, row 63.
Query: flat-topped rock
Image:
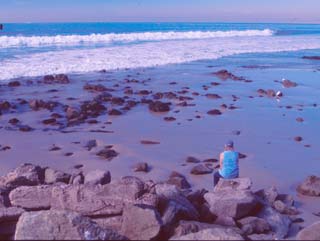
column 310, row 186
column 233, row 184
column 61, row 225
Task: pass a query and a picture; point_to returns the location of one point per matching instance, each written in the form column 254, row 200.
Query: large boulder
column 310, row 233
column 279, row 223
column 233, row 184
column 231, row 203
column 310, row 187
column 98, row 200
column 268, row 195
column 251, row 225
column 63, row 225
column 219, row 233
column 25, row 175
column 32, row 197
column 97, row 177
column 178, row 180
column 53, row 176
column 141, row 222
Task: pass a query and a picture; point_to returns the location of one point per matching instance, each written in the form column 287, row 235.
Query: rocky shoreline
column 44, row 203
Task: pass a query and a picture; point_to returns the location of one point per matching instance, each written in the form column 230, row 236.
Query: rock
column 32, row 197
column 279, row 223
column 146, row 224
column 98, row 200
column 158, row 106
column 63, row 225
column 288, row 84
column 261, row 237
column 72, row 112
column 14, row 121
column 218, row 233
column 250, row 225
column 310, row 233
column 141, row 167
column 169, row 118
column 233, row 184
column 298, row 138
column 178, row 180
column 50, row 121
column 192, row 159
column 25, row 175
column 300, row 119
column 200, row 170
column 14, row 83
column 236, row 203
column 53, row 176
column 311, row 57
column 225, row 74
column 10, row 214
column 97, row 177
column 268, row 195
column 94, row 88
column 147, row 142
column 271, row 93
column 213, row 96
column 91, row 144
column 286, row 199
column 113, row 223
column 225, row 221
column 214, row 112
column 281, row 207
column 310, row 186
column 115, row 112
column 25, row 128
column 57, row 79
column 54, row 148
column 107, row 154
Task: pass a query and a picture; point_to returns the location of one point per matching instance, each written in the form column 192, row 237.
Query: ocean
column 34, row 49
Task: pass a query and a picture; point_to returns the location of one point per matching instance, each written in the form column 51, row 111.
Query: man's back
column 230, row 165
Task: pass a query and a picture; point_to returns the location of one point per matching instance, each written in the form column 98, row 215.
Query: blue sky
column 160, row 10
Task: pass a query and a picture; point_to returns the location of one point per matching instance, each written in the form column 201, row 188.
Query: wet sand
column 263, row 128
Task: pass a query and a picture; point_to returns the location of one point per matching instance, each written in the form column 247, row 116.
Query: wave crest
column 37, row 41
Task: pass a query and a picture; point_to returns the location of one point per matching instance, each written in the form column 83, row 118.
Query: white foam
column 147, row 54
column 36, row 41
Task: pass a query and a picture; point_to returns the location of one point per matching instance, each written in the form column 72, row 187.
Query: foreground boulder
column 97, row 177
column 53, row 176
column 310, row 187
column 61, row 225
column 220, row 233
column 232, row 198
column 141, row 222
column 25, row 175
column 310, row 233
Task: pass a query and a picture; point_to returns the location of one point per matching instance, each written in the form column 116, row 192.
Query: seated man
column 229, row 164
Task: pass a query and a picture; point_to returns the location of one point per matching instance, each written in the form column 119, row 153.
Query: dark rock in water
column 191, row 159
column 299, row 119
column 68, row 154
column 288, row 84
column 13, row 121
column 311, row 232
column 61, row 225
column 148, row 142
column 72, row 112
column 215, row 83
column 48, row 78
column 250, row 225
column 261, row 92
column 55, row 148
column 117, row 101
column 237, row 133
column 115, row 112
column 25, row 175
column 311, row 57
column 271, row 93
column 213, row 96
column 14, row 84
column 310, row 186
column 210, row 160
column 144, row 92
column 141, row 167
column 107, row 154
column 242, row 156
column 158, row 106
column 49, row 121
column 169, row 118
column 5, row 105
column 92, row 108
column 52, row 176
column 146, row 224
column 57, row 79
column 90, row 144
column 225, row 74
column 97, row 177
column 200, row 170
column 214, row 112
column 298, row 138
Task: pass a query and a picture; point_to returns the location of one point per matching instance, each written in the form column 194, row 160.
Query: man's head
column 228, row 145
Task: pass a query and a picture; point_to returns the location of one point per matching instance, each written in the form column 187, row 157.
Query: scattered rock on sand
column 214, row 112
column 147, row 142
column 225, row 74
column 14, row 121
column 310, row 186
column 107, row 153
column 191, row 159
column 169, row 118
column 14, row 84
column 213, row 96
column 178, row 180
column 299, row 119
column 141, row 167
column 158, row 106
column 298, row 138
column 25, row 128
column 63, row 225
column 115, row 112
column 201, row 170
column 97, row 177
column 90, row 144
column 288, row 84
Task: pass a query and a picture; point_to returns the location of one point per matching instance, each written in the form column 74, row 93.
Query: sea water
column 34, row 49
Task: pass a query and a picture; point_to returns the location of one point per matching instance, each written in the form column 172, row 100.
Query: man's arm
column 221, row 160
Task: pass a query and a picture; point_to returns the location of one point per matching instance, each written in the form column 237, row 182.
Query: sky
column 288, row 11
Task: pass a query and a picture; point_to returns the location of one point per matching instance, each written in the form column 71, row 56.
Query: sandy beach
column 264, row 127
